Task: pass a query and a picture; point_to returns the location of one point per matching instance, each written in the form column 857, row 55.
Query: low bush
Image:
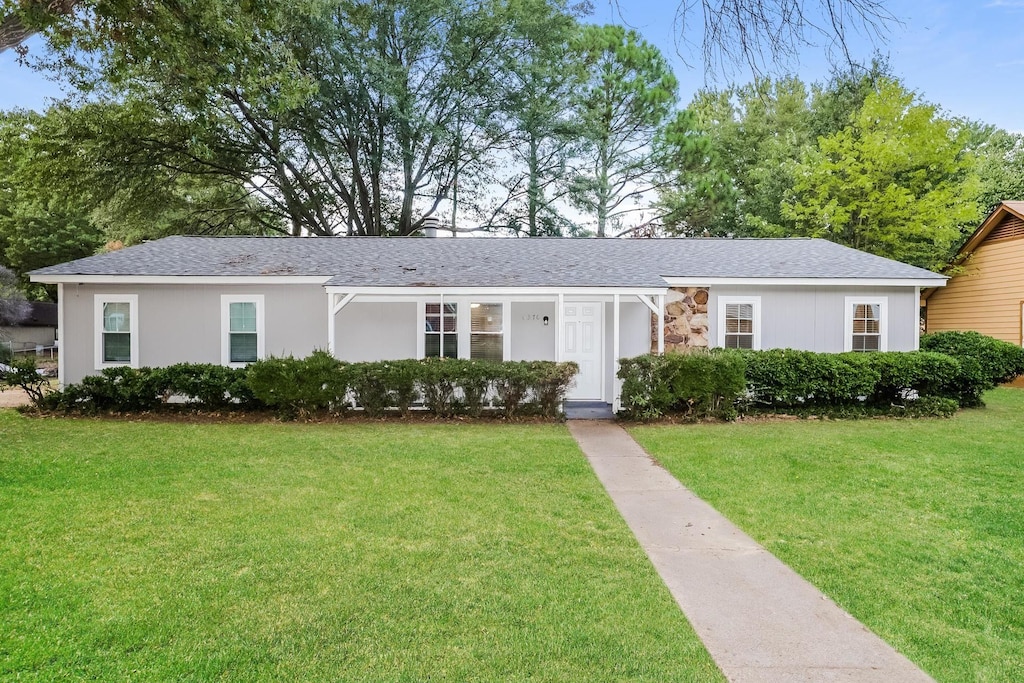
column 298, row 387
column 512, row 384
column 550, row 382
column 22, row 373
column 204, row 385
column 721, row 383
column 439, row 379
column 985, row 361
column 695, row 385
column 383, row 385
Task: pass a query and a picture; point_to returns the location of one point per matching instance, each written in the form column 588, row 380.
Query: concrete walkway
column 759, row 619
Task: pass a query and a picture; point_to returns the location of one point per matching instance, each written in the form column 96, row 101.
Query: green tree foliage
column 542, row 132
column 628, row 95
column 752, row 131
column 69, row 184
column 338, row 117
column 41, row 223
column 1000, row 164
column 895, row 182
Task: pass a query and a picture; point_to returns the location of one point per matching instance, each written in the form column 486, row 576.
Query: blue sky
column 963, row 56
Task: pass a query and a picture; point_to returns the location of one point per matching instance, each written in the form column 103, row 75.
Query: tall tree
column 895, row 182
column 542, row 131
column 345, row 116
column 628, row 95
column 40, row 223
column 1000, row 164
column 752, row 132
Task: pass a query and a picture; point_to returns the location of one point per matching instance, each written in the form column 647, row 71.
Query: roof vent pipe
column 429, row 226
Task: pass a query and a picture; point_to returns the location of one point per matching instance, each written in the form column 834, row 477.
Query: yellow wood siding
column 987, row 296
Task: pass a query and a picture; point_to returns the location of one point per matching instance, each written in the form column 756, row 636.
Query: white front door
column 582, row 336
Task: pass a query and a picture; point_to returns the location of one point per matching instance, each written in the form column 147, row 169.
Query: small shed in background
column 37, row 329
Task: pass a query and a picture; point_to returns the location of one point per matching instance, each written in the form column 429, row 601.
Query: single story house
column 987, row 294
column 38, row 328
column 232, row 300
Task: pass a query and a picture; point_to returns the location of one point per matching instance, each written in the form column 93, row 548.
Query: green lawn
column 390, row 552
column 915, row 527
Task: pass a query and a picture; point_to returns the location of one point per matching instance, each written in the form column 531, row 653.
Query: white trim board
column 883, row 320
column 754, row 301
column 184, row 279
column 225, row 326
column 97, row 322
column 938, row 281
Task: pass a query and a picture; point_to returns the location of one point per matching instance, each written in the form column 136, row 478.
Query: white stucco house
column 232, row 300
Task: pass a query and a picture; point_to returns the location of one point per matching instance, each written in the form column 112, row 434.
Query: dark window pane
column 865, row 342
column 243, row 348
column 451, row 346
column 433, row 309
column 449, row 324
column 486, row 347
column 117, row 347
column 432, row 347
column 433, row 323
column 739, row 341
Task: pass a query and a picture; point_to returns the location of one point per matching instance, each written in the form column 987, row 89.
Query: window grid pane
column 867, row 327
column 440, row 327
column 739, row 326
column 242, row 316
column 244, row 347
column 117, row 347
column 117, row 317
column 739, row 341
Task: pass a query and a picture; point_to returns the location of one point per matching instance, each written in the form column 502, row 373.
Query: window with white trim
column 117, row 330
column 739, row 322
column 487, row 332
column 242, row 329
column 866, row 324
column 440, row 330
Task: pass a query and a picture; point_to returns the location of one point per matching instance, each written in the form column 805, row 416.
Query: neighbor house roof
column 490, row 262
column 40, row 314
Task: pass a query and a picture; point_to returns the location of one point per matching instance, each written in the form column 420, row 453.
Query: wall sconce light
column 546, row 320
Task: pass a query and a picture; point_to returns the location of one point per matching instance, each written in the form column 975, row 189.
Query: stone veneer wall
column 686, row 320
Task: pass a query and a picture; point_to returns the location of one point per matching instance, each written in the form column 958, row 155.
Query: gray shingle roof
column 492, row 262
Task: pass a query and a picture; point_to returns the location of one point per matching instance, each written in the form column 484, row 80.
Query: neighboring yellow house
column 987, row 296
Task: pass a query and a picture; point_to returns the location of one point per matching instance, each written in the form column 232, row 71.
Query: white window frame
column 225, row 326
column 464, row 322
column 883, row 320
column 133, row 328
column 754, row 301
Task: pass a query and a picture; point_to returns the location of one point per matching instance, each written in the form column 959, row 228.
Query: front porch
column 593, row 327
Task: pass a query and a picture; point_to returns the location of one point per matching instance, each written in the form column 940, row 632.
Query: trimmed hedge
column 320, row 383
column 985, row 361
column 696, row 384
column 724, row 383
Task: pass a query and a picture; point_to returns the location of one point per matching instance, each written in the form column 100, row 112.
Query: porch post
column 330, row 323
column 61, row 340
column 559, row 331
column 615, row 353
column 661, row 324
